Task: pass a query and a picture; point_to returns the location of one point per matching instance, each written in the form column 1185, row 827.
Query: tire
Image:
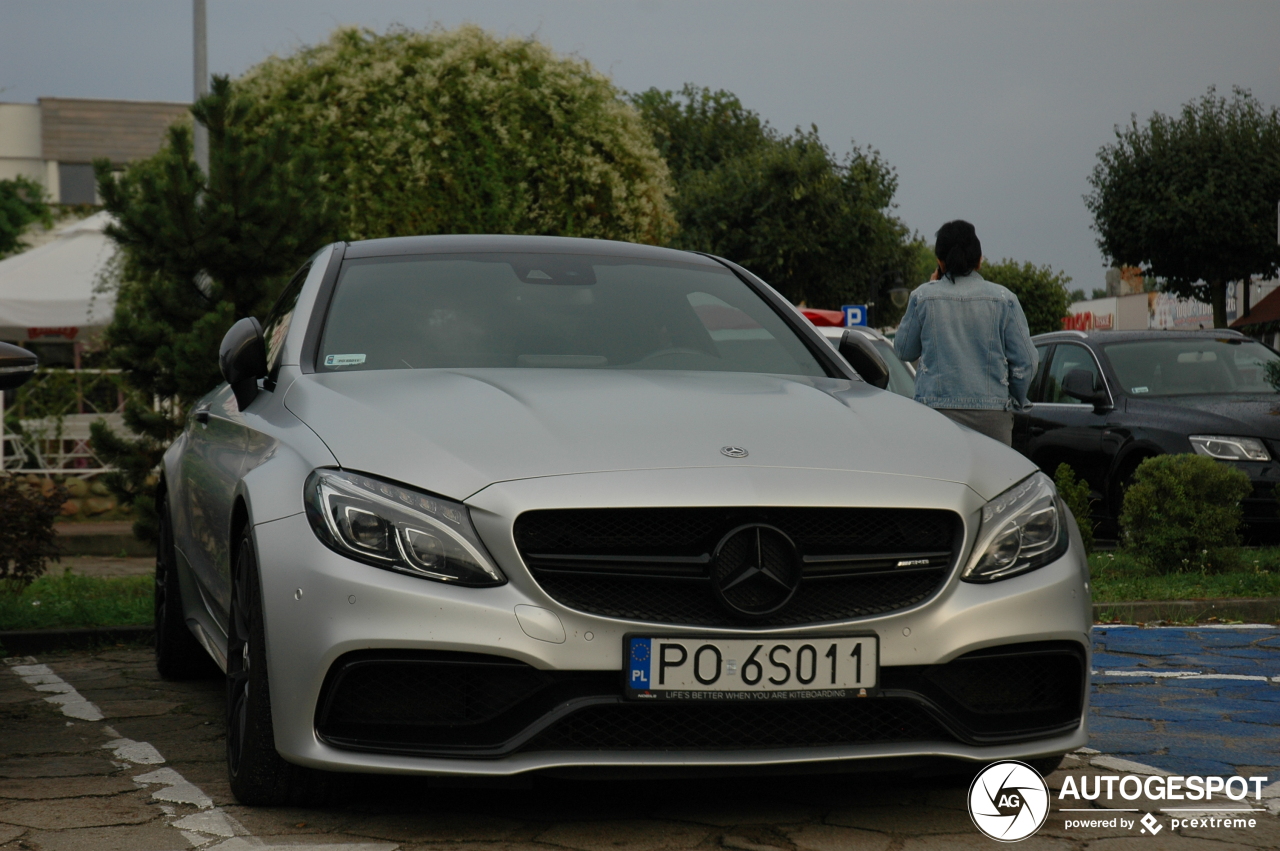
column 259, row 775
column 178, row 655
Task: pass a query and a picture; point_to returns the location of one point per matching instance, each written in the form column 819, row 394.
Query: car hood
column 455, row 432
column 1246, row 414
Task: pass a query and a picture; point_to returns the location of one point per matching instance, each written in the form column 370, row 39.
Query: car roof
column 1098, row 337
column 507, row 243
column 836, row 331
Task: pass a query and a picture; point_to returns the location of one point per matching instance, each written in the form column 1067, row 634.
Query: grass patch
column 66, row 600
column 1118, row 578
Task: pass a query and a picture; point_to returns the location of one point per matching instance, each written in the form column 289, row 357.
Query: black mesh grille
column 1012, row 684
column 1027, row 687
column 429, row 694
column 462, row 704
column 653, row 564
column 625, row 726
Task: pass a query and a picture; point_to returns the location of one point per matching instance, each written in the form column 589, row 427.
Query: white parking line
column 63, row 693
column 1186, row 675
column 200, row 829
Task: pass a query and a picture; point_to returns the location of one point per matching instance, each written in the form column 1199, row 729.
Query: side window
column 1068, row 357
column 1042, row 364
column 276, row 328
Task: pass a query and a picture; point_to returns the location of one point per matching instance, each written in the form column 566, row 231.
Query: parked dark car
column 1104, row 401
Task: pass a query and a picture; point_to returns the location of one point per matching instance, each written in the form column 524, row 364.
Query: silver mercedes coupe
column 487, row 505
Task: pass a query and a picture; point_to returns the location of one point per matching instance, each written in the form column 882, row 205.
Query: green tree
column 455, row 131
column 199, row 252
column 21, row 203
column 818, row 229
column 926, row 263
column 698, row 129
column 1041, row 291
column 1192, row 198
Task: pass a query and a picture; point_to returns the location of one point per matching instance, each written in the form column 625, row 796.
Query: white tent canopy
column 48, row 291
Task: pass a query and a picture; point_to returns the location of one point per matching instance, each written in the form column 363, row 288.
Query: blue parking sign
column 855, row 314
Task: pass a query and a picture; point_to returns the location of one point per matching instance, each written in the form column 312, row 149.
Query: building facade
column 55, row 140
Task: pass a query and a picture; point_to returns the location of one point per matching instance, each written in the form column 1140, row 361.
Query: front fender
column 281, row 452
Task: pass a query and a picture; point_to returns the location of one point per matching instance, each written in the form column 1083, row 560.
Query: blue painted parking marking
column 1195, row 700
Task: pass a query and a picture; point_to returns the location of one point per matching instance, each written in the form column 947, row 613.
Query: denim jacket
column 973, row 344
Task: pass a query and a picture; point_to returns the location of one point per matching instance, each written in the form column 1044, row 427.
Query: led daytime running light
column 1022, row 529
column 397, row 528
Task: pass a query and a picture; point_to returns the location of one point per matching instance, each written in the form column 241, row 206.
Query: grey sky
column 990, row 111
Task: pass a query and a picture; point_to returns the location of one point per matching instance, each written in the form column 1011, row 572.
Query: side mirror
column 1078, row 384
column 16, row 366
column 242, row 358
column 864, row 359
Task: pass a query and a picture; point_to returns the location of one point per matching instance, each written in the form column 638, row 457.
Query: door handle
column 202, row 416
column 1035, row 431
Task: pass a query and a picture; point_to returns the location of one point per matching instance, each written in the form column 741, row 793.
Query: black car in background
column 1104, row 401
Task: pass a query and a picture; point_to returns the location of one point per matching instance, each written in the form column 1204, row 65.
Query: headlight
column 391, row 526
column 1230, row 448
column 1022, row 529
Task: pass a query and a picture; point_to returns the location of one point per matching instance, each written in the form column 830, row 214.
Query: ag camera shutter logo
column 1008, row 801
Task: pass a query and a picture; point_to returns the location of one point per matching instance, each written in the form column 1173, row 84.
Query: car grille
column 654, row 564
column 481, row 706
column 1038, row 686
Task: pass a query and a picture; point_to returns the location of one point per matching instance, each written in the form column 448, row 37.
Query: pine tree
column 198, row 253
column 22, row 202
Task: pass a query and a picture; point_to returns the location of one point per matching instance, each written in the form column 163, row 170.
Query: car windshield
column 553, row 311
column 1191, row 366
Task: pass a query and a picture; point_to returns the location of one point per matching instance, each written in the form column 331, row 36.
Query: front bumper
column 321, row 608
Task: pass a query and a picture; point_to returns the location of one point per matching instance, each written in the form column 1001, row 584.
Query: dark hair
column 958, row 247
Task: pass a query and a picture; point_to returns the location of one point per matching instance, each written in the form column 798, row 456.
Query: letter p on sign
column 855, row 314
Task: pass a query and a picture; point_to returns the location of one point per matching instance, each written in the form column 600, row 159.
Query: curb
column 105, row 545
column 21, row 642
column 1248, row 610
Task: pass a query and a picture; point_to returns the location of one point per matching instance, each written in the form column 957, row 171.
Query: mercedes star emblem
column 733, row 451
column 755, row 570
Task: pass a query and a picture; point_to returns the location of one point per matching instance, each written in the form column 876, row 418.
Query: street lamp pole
column 201, row 70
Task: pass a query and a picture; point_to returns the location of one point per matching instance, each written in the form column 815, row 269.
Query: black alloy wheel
column 178, row 655
column 259, row 775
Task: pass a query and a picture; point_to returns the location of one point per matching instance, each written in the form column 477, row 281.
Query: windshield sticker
column 343, row 360
column 1140, row 390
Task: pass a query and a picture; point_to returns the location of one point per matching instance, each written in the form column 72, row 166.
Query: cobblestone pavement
column 97, row 753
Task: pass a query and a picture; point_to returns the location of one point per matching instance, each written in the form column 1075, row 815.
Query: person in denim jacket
column 971, row 338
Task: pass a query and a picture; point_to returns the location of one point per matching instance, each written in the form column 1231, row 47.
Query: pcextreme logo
column 1009, row 801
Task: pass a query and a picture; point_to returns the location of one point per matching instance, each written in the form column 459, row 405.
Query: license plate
column 701, row 668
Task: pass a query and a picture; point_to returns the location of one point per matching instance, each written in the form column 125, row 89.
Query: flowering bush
column 456, row 131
